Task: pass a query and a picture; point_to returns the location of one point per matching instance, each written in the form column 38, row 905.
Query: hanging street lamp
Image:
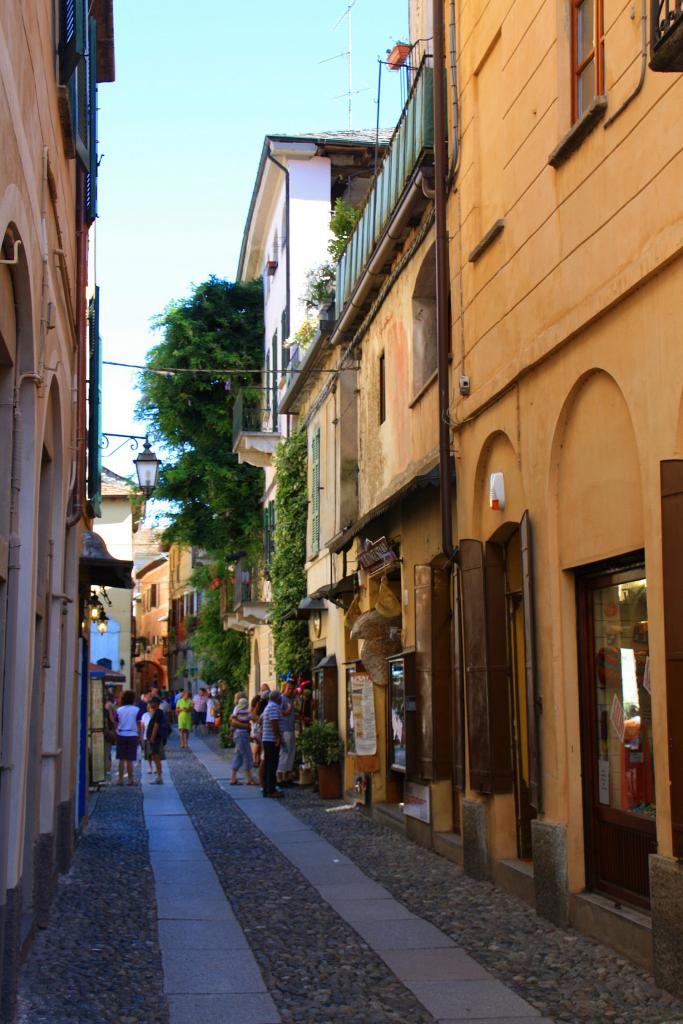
column 147, row 467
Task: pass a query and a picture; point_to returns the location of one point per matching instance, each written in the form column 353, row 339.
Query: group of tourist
column 265, row 739
column 143, row 723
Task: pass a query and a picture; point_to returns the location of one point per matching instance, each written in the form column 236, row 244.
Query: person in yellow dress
column 184, row 711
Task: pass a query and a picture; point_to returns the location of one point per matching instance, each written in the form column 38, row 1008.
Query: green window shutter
column 91, row 178
column 72, row 37
column 274, row 380
column 315, row 496
column 285, row 337
column 95, row 405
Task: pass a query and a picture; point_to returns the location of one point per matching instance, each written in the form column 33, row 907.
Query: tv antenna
column 350, row 4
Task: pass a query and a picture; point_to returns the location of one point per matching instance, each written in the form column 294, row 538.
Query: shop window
column 424, row 323
column 587, row 55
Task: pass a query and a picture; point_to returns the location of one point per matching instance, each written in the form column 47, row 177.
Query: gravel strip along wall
column 316, row 967
column 99, row 958
column 563, row 974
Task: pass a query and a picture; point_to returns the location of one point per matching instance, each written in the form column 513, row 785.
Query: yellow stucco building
column 495, row 465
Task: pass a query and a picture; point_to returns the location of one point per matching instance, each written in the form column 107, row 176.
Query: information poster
column 363, row 708
column 417, row 802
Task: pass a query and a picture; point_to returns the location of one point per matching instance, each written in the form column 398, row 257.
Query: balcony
column 395, row 195
column 251, row 440
column 241, row 604
column 666, row 35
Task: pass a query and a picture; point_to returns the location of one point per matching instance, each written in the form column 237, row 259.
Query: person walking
column 255, row 731
column 157, row 732
column 285, row 766
column 270, row 722
column 211, row 709
column 199, row 710
column 184, row 712
column 127, row 735
column 240, row 721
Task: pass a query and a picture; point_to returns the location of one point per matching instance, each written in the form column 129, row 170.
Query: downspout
column 81, row 255
column 643, row 67
column 285, row 171
column 443, row 327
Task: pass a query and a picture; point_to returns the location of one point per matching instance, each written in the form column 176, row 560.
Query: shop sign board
column 417, row 802
column 377, row 556
column 363, row 709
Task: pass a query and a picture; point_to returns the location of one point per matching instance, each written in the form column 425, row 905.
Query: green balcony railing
column 412, row 140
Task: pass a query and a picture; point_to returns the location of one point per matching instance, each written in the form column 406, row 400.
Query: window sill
column 578, row 132
column 490, row 237
column 425, row 387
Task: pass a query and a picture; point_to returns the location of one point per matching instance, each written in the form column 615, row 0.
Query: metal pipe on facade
column 81, row 259
column 643, row 67
column 443, row 327
column 285, row 171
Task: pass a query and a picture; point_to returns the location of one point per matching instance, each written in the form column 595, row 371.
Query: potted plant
column 321, row 745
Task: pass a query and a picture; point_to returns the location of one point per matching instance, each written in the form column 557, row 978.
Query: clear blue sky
column 181, row 129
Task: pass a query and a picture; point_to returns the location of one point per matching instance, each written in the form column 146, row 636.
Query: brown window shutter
column 672, row 564
column 486, row 671
column 458, row 687
column 533, row 697
column 424, row 761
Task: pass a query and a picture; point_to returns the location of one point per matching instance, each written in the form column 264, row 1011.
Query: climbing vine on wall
column 292, row 650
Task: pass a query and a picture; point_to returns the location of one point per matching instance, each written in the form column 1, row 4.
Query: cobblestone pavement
column 563, row 974
column 314, row 965
column 99, row 958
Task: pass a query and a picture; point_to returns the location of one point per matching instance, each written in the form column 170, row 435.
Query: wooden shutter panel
column 91, row 177
column 485, row 651
column 671, row 472
column 315, row 495
column 95, row 405
column 533, row 697
column 458, row 686
column 72, row 37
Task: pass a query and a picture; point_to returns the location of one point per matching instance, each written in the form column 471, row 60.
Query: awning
column 97, row 568
column 430, row 478
column 330, row 661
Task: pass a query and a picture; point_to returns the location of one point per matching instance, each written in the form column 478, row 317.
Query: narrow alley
column 199, row 901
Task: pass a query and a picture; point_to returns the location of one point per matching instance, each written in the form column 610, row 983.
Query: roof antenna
column 349, row 53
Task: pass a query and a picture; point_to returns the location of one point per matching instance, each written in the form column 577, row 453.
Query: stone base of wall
column 66, row 836
column 10, row 950
column 666, row 900
column 44, row 878
column 549, row 844
column 475, row 847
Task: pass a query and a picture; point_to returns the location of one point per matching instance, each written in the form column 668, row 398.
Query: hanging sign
column 363, row 707
column 377, row 556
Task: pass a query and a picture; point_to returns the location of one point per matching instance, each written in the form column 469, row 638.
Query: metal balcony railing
column 248, row 416
column 242, row 587
column 411, row 141
column 666, row 35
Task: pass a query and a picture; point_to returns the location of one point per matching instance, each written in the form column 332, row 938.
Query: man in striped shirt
column 270, row 722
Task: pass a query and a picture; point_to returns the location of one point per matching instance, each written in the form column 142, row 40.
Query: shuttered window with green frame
column 315, row 492
column 268, row 534
column 72, row 37
column 94, row 405
column 91, row 177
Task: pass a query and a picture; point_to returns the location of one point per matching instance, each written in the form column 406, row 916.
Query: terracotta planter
column 305, row 776
column 329, row 781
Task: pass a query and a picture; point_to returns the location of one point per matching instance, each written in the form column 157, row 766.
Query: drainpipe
column 81, row 371
column 643, row 67
column 443, row 326
column 285, row 171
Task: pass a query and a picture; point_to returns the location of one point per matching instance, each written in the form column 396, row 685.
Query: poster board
column 363, row 713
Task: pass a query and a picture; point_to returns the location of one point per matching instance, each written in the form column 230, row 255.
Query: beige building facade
column 49, row 74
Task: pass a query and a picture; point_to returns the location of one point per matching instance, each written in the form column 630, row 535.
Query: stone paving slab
column 186, row 936
column 470, row 1000
column 235, row 1009
column 195, row 908
column 372, row 910
column 433, row 965
column 195, row 871
column 412, row 934
column 238, row 973
column 500, row 1020
column 330, row 874
column 354, row 891
column 317, row 853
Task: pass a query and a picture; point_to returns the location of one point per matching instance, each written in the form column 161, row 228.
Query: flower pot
column 305, row 775
column 329, row 781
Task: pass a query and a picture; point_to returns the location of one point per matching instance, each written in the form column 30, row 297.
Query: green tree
column 292, row 650
column 215, row 501
column 224, row 653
